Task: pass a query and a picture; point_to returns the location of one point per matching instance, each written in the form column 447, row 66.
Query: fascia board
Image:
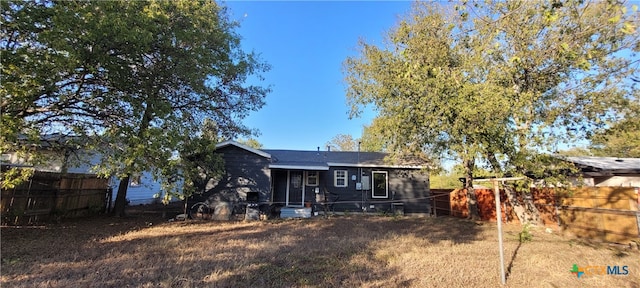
column 298, row 167
column 363, row 165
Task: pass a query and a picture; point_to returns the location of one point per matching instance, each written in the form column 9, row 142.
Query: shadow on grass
column 513, row 258
column 335, row 252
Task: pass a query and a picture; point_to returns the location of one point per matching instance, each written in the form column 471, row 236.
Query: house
column 608, row 171
column 295, row 183
column 62, row 157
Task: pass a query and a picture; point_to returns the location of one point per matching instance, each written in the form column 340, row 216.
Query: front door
column 295, row 189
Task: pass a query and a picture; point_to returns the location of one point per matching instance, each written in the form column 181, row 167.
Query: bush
column 525, row 235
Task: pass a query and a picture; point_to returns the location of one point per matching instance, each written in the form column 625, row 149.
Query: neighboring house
column 608, row 171
column 295, row 183
column 62, row 158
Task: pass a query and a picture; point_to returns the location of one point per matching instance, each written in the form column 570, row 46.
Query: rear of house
column 291, row 183
column 61, row 155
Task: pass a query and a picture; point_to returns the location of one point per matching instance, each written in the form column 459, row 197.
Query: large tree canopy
column 138, row 77
column 621, row 138
column 498, row 83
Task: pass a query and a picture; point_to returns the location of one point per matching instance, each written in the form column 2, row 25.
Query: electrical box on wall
column 366, row 183
column 358, row 186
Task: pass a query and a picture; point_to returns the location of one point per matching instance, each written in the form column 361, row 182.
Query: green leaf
column 94, row 70
column 516, row 105
column 628, row 28
column 614, row 19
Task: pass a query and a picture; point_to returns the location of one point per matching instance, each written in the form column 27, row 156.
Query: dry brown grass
column 342, row 251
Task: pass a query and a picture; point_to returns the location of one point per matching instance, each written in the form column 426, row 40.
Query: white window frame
column 373, row 184
column 345, row 177
column 312, row 175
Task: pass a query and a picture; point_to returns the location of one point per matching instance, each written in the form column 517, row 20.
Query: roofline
column 609, row 173
column 364, row 165
column 241, row 146
column 16, row 165
column 298, row 167
column 579, row 161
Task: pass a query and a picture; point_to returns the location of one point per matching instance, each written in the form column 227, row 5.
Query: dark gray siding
column 409, row 187
column 244, row 172
column 343, row 198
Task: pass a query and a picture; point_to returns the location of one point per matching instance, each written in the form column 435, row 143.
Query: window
column 312, row 178
column 296, row 180
column 340, row 178
column 136, row 180
column 380, row 187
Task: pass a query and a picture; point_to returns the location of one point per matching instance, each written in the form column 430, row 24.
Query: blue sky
column 305, row 42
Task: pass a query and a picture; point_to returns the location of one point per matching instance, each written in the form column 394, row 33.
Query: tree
column 343, row 142
column 451, row 179
column 196, row 165
column 622, row 138
column 137, row 78
column 251, row 142
column 576, row 151
column 371, row 141
column 444, row 180
column 372, row 138
column 498, row 83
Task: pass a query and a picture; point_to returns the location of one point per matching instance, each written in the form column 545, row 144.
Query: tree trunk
column 527, row 211
column 121, row 198
column 472, row 203
column 185, row 209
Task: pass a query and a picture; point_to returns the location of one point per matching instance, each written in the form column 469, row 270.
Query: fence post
column 638, row 209
column 435, row 205
column 109, row 197
column 594, row 201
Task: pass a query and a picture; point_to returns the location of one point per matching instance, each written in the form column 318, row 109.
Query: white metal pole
column 496, row 190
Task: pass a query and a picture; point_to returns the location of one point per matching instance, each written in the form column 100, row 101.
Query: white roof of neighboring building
column 613, row 164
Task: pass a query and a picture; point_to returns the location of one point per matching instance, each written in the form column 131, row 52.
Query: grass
column 342, row 251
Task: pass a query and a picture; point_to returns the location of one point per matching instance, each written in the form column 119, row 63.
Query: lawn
column 144, row 250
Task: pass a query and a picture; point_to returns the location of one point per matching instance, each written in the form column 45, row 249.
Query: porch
column 296, row 191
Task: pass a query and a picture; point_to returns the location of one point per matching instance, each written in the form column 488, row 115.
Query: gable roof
column 319, row 160
column 242, row 146
column 322, row 160
column 596, row 166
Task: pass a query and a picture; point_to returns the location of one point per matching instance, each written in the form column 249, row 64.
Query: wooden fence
column 441, row 202
column 605, row 213
column 49, row 195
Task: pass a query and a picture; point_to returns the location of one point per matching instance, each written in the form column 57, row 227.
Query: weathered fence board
column 441, row 202
column 605, row 213
column 53, row 195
